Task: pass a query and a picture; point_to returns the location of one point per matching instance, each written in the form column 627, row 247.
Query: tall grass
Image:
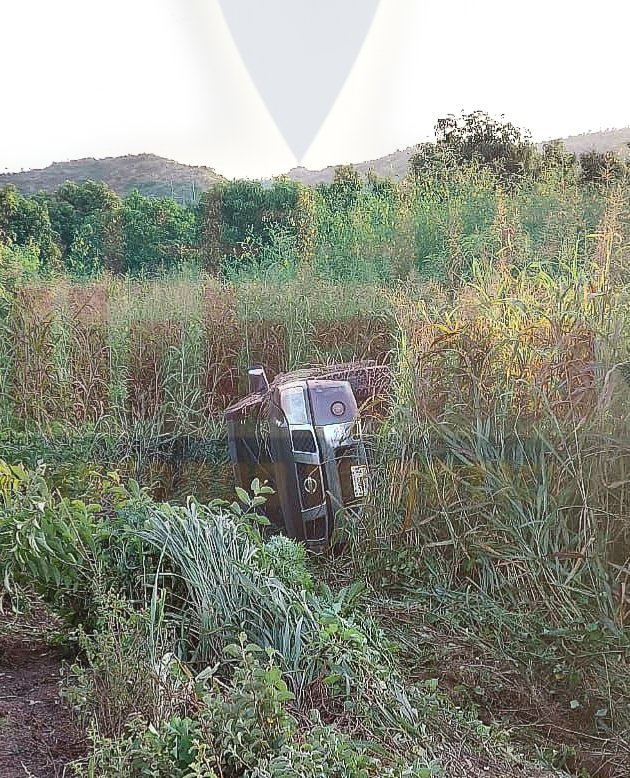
column 504, row 469
column 502, row 473
column 228, row 591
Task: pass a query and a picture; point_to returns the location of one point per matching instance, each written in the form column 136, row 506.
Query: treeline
column 238, row 226
column 86, row 228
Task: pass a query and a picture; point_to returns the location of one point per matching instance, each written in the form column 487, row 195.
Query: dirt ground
column 38, row 735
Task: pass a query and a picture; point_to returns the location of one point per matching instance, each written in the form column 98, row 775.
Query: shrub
column 68, row 550
column 229, row 585
column 240, row 727
column 117, row 677
column 172, row 749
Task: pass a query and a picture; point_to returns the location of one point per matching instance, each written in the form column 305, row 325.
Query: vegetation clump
column 475, row 621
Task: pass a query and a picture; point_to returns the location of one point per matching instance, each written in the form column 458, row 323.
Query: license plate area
column 360, row 485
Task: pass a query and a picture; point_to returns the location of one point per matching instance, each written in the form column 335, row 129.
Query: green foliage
column 66, row 549
column 173, row 749
column 602, row 168
column 432, row 162
column 87, row 220
column 345, row 188
column 156, row 708
column 47, row 541
column 287, row 560
column 248, row 716
column 275, row 257
column 216, row 557
column 498, row 523
column 17, row 265
column 115, row 680
column 157, row 233
column 480, row 138
column 557, row 158
column 241, row 727
column 357, row 228
column 257, row 223
column 25, row 223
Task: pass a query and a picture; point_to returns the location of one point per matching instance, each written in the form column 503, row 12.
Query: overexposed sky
column 95, row 78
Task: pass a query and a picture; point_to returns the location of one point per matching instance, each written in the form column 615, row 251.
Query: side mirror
column 258, row 381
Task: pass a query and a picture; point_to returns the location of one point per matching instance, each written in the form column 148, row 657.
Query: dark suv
column 302, row 434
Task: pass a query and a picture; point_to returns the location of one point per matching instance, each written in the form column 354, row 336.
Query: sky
column 97, row 78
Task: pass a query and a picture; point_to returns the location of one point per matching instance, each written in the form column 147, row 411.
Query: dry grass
column 127, row 349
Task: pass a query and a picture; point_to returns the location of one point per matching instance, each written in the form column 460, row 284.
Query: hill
column 150, row 174
column 159, row 177
column 395, row 165
column 604, row 140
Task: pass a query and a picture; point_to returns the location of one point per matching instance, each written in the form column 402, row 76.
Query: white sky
column 107, row 77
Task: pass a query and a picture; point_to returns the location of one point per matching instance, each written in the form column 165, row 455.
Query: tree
column 209, row 218
column 555, row 157
column 381, row 186
column 495, row 143
column 241, row 210
column 9, row 204
column 601, row 167
column 24, row 221
column 87, row 220
column 345, row 188
column 158, row 232
column 251, row 216
column 431, row 160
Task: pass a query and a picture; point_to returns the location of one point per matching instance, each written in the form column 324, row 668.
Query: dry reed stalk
column 355, row 338
column 266, row 342
column 88, row 304
column 223, row 338
column 32, row 384
column 149, row 342
column 609, row 241
column 90, row 372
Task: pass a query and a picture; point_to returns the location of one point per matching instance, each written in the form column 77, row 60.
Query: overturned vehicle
column 302, row 434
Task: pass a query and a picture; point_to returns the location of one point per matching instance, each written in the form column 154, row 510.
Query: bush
column 240, row 727
column 173, row 749
column 47, row 542
column 68, row 550
column 117, row 677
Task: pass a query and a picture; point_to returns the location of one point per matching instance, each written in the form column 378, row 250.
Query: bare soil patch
column 38, row 733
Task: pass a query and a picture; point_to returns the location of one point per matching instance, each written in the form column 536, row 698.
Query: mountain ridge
column 149, row 173
column 395, row 165
column 158, row 176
